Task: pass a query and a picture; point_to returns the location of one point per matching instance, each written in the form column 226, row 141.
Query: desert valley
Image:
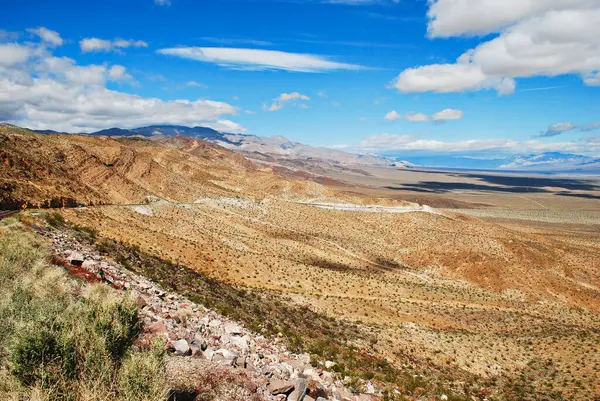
column 486, row 285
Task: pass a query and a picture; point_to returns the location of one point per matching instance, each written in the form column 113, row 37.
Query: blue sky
column 325, row 73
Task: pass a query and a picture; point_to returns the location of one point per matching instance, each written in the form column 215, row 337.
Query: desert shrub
column 139, row 376
column 63, row 340
column 54, row 219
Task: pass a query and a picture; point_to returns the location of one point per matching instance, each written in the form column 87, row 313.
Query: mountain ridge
column 248, row 144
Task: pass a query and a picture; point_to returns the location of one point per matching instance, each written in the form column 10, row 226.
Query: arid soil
column 514, row 298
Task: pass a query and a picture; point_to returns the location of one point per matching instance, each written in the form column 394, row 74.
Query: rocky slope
column 204, row 345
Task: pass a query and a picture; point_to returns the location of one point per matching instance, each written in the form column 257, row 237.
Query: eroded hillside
column 57, row 170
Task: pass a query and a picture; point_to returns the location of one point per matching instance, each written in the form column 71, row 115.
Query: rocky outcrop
column 195, row 334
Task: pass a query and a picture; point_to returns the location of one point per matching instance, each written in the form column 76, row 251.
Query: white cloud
column 226, row 125
column 12, row 54
column 416, row 117
column 102, row 45
column 592, row 79
column 529, row 44
column 258, row 59
column 50, row 37
column 118, row 73
column 288, row 97
column 466, row 17
column 392, row 142
column 40, row 91
column 446, row 78
column 562, row 127
column 285, row 98
column 448, row 114
column 95, row 45
column 393, row 115
column 195, row 84
column 273, row 107
column 162, row 2
column 322, row 94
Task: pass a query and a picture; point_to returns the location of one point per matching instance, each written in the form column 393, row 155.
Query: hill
column 57, row 169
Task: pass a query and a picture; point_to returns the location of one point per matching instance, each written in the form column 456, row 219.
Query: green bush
column 62, row 340
column 138, row 377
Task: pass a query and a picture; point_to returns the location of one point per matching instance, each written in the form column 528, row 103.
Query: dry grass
column 60, row 340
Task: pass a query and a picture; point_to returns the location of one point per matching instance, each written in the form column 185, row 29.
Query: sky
column 477, row 78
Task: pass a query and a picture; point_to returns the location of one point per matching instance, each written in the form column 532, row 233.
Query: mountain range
column 279, row 150
column 536, row 162
column 252, row 146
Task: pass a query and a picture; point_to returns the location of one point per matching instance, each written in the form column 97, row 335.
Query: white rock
column 232, row 328
column 227, row 354
column 182, row 347
column 240, row 342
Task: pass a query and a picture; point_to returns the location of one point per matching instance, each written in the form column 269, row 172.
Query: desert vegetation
column 64, row 340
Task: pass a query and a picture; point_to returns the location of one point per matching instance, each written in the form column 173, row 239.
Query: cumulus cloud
column 465, row 17
column 195, row 84
column 41, row 91
column 562, row 127
column 528, row 44
column 448, row 114
column 288, row 97
column 258, row 59
column 416, row 117
column 285, row 98
column 592, row 79
column 88, row 45
column 52, row 38
column 12, row 54
column 118, row 73
column 393, row 115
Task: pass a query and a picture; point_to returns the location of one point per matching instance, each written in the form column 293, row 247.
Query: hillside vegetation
column 63, row 340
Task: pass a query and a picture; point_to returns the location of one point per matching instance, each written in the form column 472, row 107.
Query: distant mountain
column 541, row 162
column 278, row 146
column 551, row 161
column 281, row 147
column 115, row 132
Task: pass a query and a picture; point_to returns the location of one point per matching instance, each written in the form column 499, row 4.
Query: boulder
column 240, row 342
column 232, row 328
column 199, row 342
column 300, row 387
column 208, row 353
column 76, row 258
column 280, row 387
column 182, row 348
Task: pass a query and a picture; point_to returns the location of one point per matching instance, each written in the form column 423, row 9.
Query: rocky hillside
column 60, row 169
column 210, row 353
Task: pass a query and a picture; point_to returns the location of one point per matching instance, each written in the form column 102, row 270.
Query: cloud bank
column 528, row 43
column 41, row 91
